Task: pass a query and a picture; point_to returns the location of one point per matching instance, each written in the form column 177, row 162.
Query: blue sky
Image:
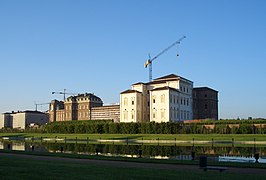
column 101, row 46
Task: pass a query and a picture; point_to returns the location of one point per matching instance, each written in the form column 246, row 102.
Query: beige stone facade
column 165, row 99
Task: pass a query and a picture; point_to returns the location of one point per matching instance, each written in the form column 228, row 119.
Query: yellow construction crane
column 150, row 60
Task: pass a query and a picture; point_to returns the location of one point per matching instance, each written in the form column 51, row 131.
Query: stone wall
column 111, row 112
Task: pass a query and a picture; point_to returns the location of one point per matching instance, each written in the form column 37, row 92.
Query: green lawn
column 185, row 137
column 25, row 168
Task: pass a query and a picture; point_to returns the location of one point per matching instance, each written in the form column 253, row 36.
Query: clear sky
column 100, row 46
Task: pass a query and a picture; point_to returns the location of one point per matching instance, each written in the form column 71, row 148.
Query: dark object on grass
column 256, row 156
column 140, row 153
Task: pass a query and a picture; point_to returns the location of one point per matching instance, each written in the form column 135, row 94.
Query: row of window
column 132, row 101
column 184, row 115
column 79, row 107
column 81, row 115
column 175, row 100
column 184, row 89
column 162, row 113
column 132, row 115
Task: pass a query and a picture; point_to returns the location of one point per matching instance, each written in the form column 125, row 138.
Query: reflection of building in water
column 1, row 145
column 18, row 146
column 182, row 157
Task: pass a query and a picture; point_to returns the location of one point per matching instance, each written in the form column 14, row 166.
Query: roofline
column 202, row 88
column 129, row 91
column 165, row 88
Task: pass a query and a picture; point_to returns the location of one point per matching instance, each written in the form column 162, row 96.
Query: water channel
column 221, row 152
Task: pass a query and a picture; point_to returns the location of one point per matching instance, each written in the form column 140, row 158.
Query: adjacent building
column 82, row 107
column 205, row 103
column 165, row 99
column 22, row 119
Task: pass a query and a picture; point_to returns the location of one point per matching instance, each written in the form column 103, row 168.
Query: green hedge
column 100, row 127
column 108, row 127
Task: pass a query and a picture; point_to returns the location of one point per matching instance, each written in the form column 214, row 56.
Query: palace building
column 82, row 107
column 170, row 98
column 165, row 99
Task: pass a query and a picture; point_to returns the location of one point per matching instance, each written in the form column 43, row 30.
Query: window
column 174, row 99
column 125, row 115
column 187, row 102
column 205, row 95
column 132, row 100
column 154, row 115
column 206, row 106
column 125, row 101
column 132, row 114
column 162, row 98
column 170, row 98
column 162, row 113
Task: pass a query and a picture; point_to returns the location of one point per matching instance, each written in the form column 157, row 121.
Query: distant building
column 205, row 104
column 22, row 119
column 6, row 120
column 82, row 107
column 165, row 99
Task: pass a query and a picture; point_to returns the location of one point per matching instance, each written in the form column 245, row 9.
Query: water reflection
column 215, row 153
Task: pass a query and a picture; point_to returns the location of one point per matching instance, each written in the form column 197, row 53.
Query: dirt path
column 134, row 164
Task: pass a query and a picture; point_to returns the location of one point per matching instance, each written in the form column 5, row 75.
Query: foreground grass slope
column 27, row 168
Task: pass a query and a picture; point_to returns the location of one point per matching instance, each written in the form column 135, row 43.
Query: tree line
column 108, row 127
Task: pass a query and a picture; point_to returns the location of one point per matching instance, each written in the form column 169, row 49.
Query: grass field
column 185, row 137
column 26, row 168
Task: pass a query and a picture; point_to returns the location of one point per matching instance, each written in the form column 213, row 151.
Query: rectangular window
column 125, row 115
column 162, row 98
column 162, row 113
column 132, row 102
column 125, row 101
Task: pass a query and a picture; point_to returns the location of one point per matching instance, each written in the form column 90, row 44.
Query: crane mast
column 150, row 60
column 40, row 104
column 64, row 93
